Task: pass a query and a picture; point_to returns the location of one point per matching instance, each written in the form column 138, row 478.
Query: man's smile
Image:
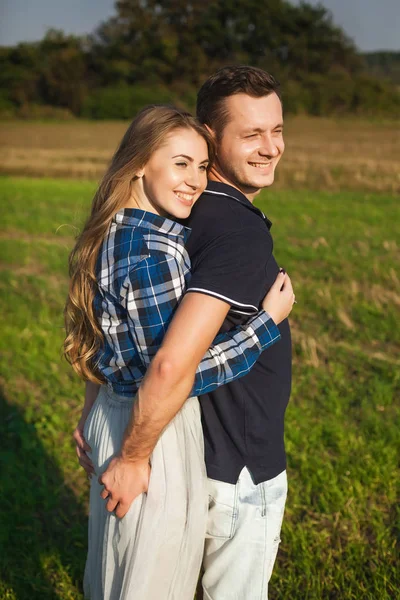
column 260, row 165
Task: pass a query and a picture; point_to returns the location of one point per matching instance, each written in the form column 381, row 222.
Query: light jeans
column 243, row 536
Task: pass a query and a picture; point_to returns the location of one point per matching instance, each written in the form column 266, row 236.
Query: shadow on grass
column 42, row 524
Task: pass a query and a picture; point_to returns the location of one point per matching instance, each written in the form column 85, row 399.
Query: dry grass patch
column 320, row 153
column 341, row 154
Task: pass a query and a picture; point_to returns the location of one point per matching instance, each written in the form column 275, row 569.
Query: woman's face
column 175, row 176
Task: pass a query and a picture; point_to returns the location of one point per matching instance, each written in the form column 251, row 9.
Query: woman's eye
column 181, row 164
column 203, row 168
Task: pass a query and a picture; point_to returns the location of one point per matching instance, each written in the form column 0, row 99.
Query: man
column 243, row 420
column 233, row 267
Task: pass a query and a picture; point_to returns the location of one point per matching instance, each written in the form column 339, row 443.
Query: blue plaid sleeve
column 151, row 293
column 234, row 352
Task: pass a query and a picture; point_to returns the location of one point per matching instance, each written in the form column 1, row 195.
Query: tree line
column 153, row 51
column 384, row 64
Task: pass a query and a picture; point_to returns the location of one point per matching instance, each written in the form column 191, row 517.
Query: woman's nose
column 193, row 179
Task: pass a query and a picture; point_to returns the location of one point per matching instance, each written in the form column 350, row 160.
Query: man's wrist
column 129, row 457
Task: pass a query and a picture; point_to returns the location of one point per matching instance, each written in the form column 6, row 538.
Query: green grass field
column 342, row 428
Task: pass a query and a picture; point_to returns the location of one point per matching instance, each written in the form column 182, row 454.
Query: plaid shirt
column 143, row 270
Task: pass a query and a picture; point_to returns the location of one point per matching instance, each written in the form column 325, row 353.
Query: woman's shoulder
column 123, row 248
column 124, row 245
column 127, row 249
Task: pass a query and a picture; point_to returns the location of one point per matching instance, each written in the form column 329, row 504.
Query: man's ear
column 214, row 137
column 210, row 131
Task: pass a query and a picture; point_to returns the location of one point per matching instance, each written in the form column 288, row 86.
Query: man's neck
column 216, row 175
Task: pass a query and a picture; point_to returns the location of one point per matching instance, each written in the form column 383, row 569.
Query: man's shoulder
column 209, row 206
column 220, row 215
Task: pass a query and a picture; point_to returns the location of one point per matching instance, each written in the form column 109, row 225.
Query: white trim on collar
column 207, row 191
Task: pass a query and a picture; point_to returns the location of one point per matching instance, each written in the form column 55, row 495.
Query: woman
column 129, row 269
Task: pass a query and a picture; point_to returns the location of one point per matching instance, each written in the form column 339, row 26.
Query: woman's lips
column 186, row 199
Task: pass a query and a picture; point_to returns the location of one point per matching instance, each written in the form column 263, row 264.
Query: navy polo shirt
column 231, row 252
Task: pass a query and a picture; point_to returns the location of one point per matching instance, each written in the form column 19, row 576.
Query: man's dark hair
column 226, row 82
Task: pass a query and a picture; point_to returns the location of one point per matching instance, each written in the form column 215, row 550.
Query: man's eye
column 251, row 135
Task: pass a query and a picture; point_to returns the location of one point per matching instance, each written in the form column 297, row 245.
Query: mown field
column 342, row 434
column 321, row 154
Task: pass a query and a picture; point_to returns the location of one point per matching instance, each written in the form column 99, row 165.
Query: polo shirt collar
column 135, row 217
column 217, row 188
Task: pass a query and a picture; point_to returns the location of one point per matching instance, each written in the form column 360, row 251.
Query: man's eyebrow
column 206, row 160
column 260, row 130
column 254, row 130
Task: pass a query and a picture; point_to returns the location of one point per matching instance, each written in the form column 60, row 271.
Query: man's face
column 251, row 143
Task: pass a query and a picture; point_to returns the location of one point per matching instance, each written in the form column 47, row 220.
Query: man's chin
column 262, row 182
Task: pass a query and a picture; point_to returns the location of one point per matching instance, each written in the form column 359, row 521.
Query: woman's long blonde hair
column 146, row 133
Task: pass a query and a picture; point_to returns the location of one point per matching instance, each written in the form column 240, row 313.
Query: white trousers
column 243, row 535
column 154, row 552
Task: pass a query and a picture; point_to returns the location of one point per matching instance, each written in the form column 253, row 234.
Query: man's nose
column 269, row 147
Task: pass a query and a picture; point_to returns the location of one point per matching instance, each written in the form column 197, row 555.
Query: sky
column 372, row 24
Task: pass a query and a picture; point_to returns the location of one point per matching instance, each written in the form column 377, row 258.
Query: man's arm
column 170, row 377
column 163, row 391
column 151, row 297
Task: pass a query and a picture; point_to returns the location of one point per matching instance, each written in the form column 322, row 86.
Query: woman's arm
column 162, row 393
column 233, row 353
column 82, row 447
column 152, row 292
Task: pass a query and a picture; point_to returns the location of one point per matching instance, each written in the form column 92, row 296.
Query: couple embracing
column 177, row 319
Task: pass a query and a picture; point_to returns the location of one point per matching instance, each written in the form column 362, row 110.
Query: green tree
column 19, row 76
column 385, row 65
column 170, row 47
column 316, row 45
column 63, row 70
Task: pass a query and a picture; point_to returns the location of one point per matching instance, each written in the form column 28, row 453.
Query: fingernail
column 282, row 271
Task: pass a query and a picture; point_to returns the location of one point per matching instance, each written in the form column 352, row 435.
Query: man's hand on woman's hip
column 124, row 481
